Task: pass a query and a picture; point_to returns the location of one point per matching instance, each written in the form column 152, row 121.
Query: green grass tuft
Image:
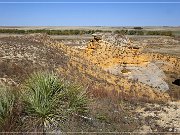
column 7, row 99
column 49, row 100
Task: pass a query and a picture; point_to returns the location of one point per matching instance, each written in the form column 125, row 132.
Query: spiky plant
column 40, row 98
column 48, row 100
column 6, row 106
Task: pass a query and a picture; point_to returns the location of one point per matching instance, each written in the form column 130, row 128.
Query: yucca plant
column 49, row 100
column 7, row 100
column 40, row 98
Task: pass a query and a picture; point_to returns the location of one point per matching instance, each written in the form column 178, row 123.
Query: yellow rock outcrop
column 92, row 61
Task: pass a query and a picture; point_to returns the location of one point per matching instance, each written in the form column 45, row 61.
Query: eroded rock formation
column 100, row 58
column 110, row 62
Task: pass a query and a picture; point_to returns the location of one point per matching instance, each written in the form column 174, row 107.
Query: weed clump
column 7, row 100
column 49, row 101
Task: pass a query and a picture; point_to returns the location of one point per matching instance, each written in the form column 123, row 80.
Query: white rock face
column 149, row 74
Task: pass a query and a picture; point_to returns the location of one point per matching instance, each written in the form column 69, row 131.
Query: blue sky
column 126, row 14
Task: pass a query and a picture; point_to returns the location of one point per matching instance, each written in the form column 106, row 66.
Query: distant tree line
column 138, row 28
column 143, row 32
column 164, row 33
column 136, row 31
column 51, row 32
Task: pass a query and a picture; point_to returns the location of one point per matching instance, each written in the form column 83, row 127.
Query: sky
column 90, row 14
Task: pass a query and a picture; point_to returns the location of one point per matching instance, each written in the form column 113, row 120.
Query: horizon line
column 88, row 2
column 89, row 26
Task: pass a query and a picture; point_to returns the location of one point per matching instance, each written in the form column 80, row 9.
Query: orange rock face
column 100, row 55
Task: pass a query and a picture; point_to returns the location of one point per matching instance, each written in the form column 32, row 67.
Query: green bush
column 124, row 32
column 49, row 101
column 138, row 28
column 139, row 32
column 131, row 32
column 7, row 99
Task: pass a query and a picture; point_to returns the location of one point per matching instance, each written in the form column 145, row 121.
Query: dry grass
column 109, row 110
column 10, row 109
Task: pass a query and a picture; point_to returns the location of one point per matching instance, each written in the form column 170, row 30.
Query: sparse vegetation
column 7, row 101
column 136, row 31
column 51, row 104
column 162, row 33
column 48, row 101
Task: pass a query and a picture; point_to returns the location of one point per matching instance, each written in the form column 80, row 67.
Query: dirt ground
column 18, row 56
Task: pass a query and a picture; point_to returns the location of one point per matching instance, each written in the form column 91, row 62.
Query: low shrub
column 49, row 101
column 7, row 100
